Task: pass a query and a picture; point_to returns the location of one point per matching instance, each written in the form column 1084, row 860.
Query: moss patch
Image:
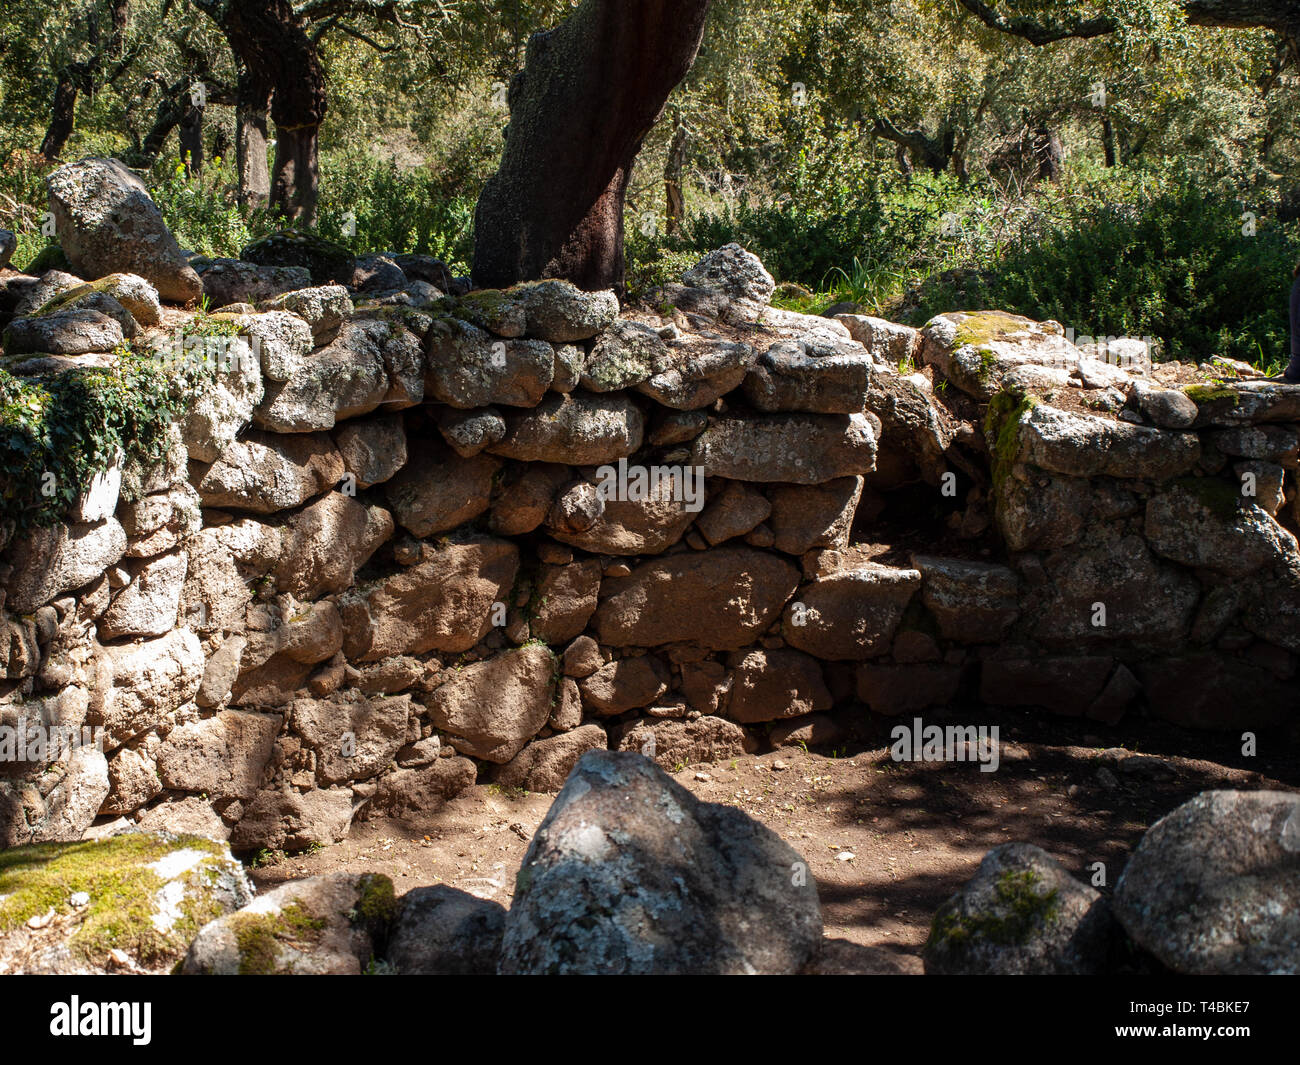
column 1203, row 394
column 259, row 936
column 1218, row 497
column 978, row 330
column 376, row 904
column 41, row 877
column 1002, row 430
column 1020, row 910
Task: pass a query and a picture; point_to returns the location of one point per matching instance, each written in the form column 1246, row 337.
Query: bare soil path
column 887, row 841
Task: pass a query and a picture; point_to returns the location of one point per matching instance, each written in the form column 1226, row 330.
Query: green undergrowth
column 59, row 430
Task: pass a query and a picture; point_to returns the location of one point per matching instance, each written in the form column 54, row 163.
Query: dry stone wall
column 408, row 539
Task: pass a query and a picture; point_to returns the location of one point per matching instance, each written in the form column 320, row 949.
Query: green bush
column 370, row 205
column 1174, row 265
column 203, row 211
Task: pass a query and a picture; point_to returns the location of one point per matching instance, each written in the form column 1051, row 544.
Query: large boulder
column 696, row 372
column 284, row 819
column 107, row 223
column 1086, row 445
column 226, row 401
column 353, row 738
column 624, row 684
column 227, row 281
column 972, row 602
column 550, row 310
column 821, row 378
column 565, row 599
column 468, row 368
column 372, row 363
column 776, row 684
column 1214, row 887
column 221, row 756
column 151, row 679
column 629, row 873
column 979, row 350
column 813, row 515
column 624, row 356
column 438, row 490
column 51, row 560
column 1207, row 524
column 323, row 545
column 440, row 931
column 325, row 261
column 850, row 615
column 269, row 472
column 544, row 765
column 131, row 903
column 1020, row 915
column 722, row 599
column 673, row 743
column 577, row 430
column 149, row 604
column 647, row 523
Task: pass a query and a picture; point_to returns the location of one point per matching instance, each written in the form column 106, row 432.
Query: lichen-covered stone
column 1020, row 915
column 628, row 873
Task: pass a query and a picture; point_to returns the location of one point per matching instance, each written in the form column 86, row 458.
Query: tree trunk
column 252, row 134
column 190, row 136
column 277, row 60
column 63, row 116
column 1108, row 142
column 295, row 181
column 1050, row 153
column 674, row 198
column 590, row 91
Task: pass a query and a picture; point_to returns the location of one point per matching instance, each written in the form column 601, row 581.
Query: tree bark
column 590, row 91
column 252, row 135
column 190, row 136
column 674, row 197
column 1108, row 142
column 280, row 66
column 63, row 116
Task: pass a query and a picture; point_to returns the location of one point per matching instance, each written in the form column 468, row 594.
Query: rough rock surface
column 440, row 931
column 331, row 925
column 1020, row 915
column 628, row 873
column 107, row 223
column 1214, row 886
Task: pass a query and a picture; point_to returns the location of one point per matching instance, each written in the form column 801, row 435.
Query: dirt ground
column 887, row 841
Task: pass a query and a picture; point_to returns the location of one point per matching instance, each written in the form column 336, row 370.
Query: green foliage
column 203, row 211
column 1175, row 265
column 372, row 205
column 57, row 432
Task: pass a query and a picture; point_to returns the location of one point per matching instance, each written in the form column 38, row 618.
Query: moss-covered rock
column 327, row 262
column 324, row 925
column 132, row 902
column 1020, row 914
